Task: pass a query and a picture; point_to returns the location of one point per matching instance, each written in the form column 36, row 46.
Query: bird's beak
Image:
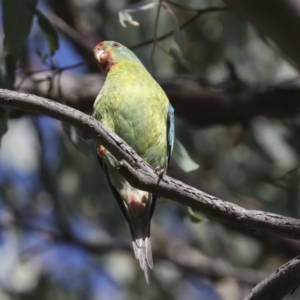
column 101, row 57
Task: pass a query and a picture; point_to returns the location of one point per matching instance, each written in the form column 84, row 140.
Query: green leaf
column 87, row 148
column 182, row 157
column 4, row 114
column 177, row 56
column 178, row 36
column 7, row 64
column 271, row 137
column 49, row 30
column 17, row 19
column 177, row 31
column 142, row 7
column 125, row 16
column 194, row 217
column 7, row 71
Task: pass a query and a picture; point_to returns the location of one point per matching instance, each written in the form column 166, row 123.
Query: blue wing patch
column 170, row 131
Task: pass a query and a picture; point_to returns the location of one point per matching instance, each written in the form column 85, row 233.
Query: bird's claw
column 159, row 171
column 101, row 151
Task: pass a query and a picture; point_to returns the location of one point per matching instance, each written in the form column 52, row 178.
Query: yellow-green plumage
column 134, row 106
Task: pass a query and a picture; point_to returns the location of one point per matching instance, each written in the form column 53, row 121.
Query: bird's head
column 110, row 53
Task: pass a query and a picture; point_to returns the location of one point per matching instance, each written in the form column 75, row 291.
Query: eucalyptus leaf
column 178, row 36
column 4, row 114
column 195, row 217
column 178, row 57
column 17, row 20
column 182, row 157
column 124, row 16
column 87, row 148
column 49, row 30
column 270, row 135
column 75, row 136
column 143, row 7
column 8, row 66
column 7, row 74
column 177, row 31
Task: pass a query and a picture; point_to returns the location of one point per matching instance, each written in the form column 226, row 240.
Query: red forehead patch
column 98, row 46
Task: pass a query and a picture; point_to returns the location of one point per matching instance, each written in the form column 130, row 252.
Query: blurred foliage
column 62, row 235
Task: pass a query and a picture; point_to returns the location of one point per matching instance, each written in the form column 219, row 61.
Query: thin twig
column 188, row 8
column 155, row 36
column 73, row 66
column 182, row 26
column 142, row 44
column 71, row 32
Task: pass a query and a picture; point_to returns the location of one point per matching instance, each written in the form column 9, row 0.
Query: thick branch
column 279, row 283
column 204, row 106
column 198, row 105
column 142, row 176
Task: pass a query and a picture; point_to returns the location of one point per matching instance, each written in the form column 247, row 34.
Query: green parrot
column 134, row 106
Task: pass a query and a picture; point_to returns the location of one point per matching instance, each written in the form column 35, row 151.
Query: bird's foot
column 101, row 151
column 159, row 171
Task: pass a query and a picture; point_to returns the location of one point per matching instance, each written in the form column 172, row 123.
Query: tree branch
column 204, row 106
column 181, row 27
column 199, row 105
column 142, row 176
column 279, row 283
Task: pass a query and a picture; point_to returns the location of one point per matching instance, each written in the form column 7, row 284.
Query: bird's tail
column 140, row 234
column 143, row 253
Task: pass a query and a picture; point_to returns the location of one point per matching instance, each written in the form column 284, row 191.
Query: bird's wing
column 117, row 196
column 170, row 132
column 170, row 143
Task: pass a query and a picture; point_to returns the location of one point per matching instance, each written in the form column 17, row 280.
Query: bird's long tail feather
column 140, row 235
column 143, row 253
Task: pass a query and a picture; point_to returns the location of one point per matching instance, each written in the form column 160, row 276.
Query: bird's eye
column 116, row 45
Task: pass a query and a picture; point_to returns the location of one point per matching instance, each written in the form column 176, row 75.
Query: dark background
column 235, row 95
